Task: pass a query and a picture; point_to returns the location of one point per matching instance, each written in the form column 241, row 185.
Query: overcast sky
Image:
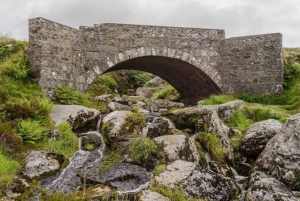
column 236, row 17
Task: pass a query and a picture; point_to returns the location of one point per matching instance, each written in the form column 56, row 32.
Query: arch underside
column 190, row 82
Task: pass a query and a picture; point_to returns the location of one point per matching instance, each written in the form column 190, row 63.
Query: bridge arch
column 191, row 78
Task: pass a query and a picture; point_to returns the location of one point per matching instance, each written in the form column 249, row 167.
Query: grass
column 168, row 92
column 211, row 143
column 141, row 149
column 66, row 145
column 217, row 99
column 110, row 159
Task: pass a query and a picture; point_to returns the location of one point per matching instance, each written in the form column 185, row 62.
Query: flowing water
column 68, row 180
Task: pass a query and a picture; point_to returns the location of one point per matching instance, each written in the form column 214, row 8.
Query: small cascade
column 239, row 181
column 68, row 179
column 101, row 116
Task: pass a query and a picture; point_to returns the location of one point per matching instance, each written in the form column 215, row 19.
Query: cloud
column 236, row 17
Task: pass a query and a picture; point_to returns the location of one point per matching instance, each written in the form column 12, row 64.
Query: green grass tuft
column 217, row 99
column 142, row 149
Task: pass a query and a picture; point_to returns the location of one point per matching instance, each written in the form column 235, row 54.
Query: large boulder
column 178, row 147
column 257, row 135
column 125, row 177
column 41, row 163
column 197, row 181
column 281, row 156
column 120, row 126
column 78, row 116
column 163, row 104
column 264, row 187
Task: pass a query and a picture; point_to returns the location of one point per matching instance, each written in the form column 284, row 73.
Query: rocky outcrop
column 281, row 156
column 197, row 181
column 257, row 135
column 178, row 147
column 78, row 116
column 41, row 163
column 163, row 104
column 264, row 187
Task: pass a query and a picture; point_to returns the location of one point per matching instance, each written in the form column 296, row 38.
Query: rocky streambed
column 184, row 161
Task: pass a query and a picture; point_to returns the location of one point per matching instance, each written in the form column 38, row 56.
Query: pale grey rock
column 78, row 116
column 148, row 195
column 113, row 106
column 264, row 187
column 40, row 163
column 178, row 147
column 116, row 121
column 281, row 156
column 257, row 135
column 163, row 103
column 103, row 98
column 146, row 92
column 197, row 181
column 155, row 82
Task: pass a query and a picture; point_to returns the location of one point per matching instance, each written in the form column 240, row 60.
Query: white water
column 68, row 180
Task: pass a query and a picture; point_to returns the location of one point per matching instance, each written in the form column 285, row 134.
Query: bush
column 10, row 141
column 31, row 131
column 21, row 110
column 141, row 149
column 106, row 80
column 68, row 96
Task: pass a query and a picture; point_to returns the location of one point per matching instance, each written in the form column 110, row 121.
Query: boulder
column 41, row 163
column 113, row 106
column 116, row 127
column 78, row 116
column 156, row 126
column 257, row 135
column 264, row 187
column 148, row 195
column 90, row 141
column 178, row 147
column 155, row 82
column 125, row 177
column 103, row 98
column 197, row 181
column 146, row 92
column 281, row 156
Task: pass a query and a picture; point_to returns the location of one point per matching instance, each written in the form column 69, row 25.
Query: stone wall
column 51, row 53
column 197, row 62
column 252, row 64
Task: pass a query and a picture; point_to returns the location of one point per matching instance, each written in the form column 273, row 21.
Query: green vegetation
column 64, row 197
column 68, row 96
column 159, row 169
column 169, row 93
column 67, row 144
column 31, row 131
column 110, row 159
column 211, row 143
column 239, row 120
column 217, row 99
column 176, row 194
column 141, row 149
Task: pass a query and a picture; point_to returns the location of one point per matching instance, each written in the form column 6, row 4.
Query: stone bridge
column 197, row 62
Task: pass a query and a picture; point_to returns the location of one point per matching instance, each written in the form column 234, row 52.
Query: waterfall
column 68, row 179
